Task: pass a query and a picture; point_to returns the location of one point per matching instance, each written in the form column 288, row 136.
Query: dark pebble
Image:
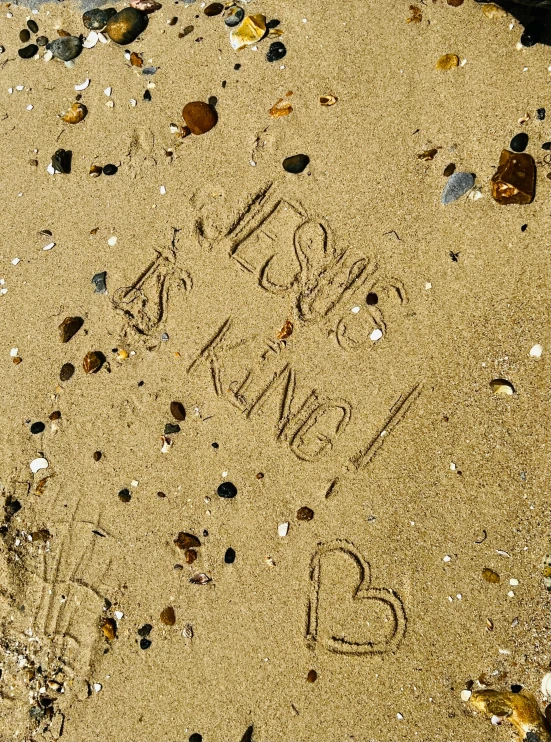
column 97, row 455
column 195, row 737
column 124, row 495
column 524, row 228
column 145, row 643
column 449, row 170
column 65, row 48
column 125, row 26
column 37, row 428
column 295, row 164
column 147, row 95
column 171, row 428
column 235, row 17
column 229, row 556
column 546, row 145
column 32, row 26
column 96, row 18
column 99, row 282
column 312, row 676
column 532, row 34
column 67, row 370
column 227, row 490
column 28, row 51
column 540, row 113
column 24, row 35
column 213, row 9
column 213, row 100
column 145, row 630
column 93, row 361
column 305, row 513
column 61, row 160
column 69, row 327
column 55, row 415
column 178, row 411
column 515, row 688
column 371, row 299
column 237, row 66
column 274, row 23
column 215, row 445
column 42, row 40
column 519, row 142
column 110, row 169
column 276, row 51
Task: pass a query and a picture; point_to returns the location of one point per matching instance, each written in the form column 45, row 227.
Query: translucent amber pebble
column 447, row 62
column 249, row 32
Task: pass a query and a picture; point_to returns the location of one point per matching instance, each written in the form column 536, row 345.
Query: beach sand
column 332, row 336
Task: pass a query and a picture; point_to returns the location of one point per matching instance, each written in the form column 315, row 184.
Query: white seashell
column 91, row 40
column 83, row 85
column 536, row 350
column 546, row 685
column 283, row 529
column 38, row 464
column 48, row 55
column 376, row 335
column 49, row 246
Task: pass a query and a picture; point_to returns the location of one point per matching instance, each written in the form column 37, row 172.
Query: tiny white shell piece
column 97, row 687
column 536, row 351
column 83, row 85
column 49, row 246
column 465, row 695
column 376, row 335
column 14, row 352
column 108, row 91
column 283, row 529
column 112, row 241
column 91, row 40
column 119, row 615
column 546, row 685
column 38, row 464
column 48, row 55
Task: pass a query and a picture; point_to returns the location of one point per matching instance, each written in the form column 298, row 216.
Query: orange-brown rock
column 514, row 181
column 199, row 116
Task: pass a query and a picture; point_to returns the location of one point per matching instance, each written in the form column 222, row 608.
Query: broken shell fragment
column 514, row 181
column 38, row 464
column 146, row 6
column 501, row 386
column 199, row 579
column 447, row 62
column 328, row 100
column 546, row 685
column 249, row 32
column 75, row 114
column 286, row 331
column 521, row 709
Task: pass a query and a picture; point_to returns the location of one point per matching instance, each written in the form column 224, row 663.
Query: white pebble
column 536, row 350
column 513, row 582
column 110, row 104
column 97, row 687
column 447, row 558
column 283, row 529
column 511, row 594
column 15, row 261
column 83, row 85
column 496, row 720
column 119, row 615
column 546, row 685
column 453, row 467
column 428, row 286
column 162, row 190
column 48, row 55
column 134, row 483
column 10, row 90
column 14, row 352
column 465, row 695
column 108, row 91
column 38, row 464
column 112, row 241
column 50, row 169
column 133, row 102
column 69, row 64
column 49, row 246
column 355, row 310
column 399, row 717
column 20, row 87
column 376, row 335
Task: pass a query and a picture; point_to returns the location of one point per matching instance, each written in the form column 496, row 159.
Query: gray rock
column 99, row 281
column 65, row 48
column 458, row 184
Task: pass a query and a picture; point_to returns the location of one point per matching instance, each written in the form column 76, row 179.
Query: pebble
column 227, row 490
column 38, row 464
column 186, row 541
column 177, row 410
column 305, row 513
column 146, row 6
column 190, row 556
column 69, row 327
column 24, row 35
column 28, row 51
column 42, row 40
column 447, row 62
column 276, row 51
column 96, row 19
column 514, row 181
column 249, row 32
column 109, row 628
column 92, row 362
column 312, row 676
column 67, row 370
column 110, row 169
column 199, row 116
column 213, row 9
column 195, row 737
column 235, row 17
column 65, row 48
column 97, row 455
column 145, row 643
column 124, row 495
column 536, row 351
column 55, row 415
column 145, row 630
column 37, row 428
column 125, row 27
column 99, row 281
column 493, row 11
column 490, row 576
column 296, row 163
column 168, row 616
column 540, row 114
column 449, row 170
column 283, row 529
column 519, row 142
column 75, row 114
column 171, row 429
column 229, row 556
column 61, row 161
column 32, row 25
column 456, row 186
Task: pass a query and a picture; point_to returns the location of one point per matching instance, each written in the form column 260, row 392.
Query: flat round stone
column 42, row 40
column 199, row 116
column 37, row 428
column 295, row 164
column 65, row 48
column 125, row 27
column 110, row 169
column 24, row 35
column 67, row 370
column 32, row 25
column 235, row 17
column 519, row 142
column 96, row 18
column 213, row 9
column 28, row 51
column 229, row 556
column 276, row 51
column 227, row 490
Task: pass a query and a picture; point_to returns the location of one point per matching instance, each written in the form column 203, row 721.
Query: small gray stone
column 96, row 18
column 99, row 282
column 235, row 17
column 65, row 48
column 457, row 185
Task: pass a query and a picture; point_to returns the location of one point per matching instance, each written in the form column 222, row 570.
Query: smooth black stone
column 371, row 299
column 237, row 66
column 171, row 428
column 42, row 40
column 65, row 48
column 546, row 145
column 125, row 495
column 519, row 142
column 67, row 370
column 24, row 35
column 524, row 228
column 229, row 556
column 515, row 688
column 147, row 95
column 32, row 26
column 540, row 113
column 274, row 23
column 145, row 643
column 276, row 51
column 145, row 630
column 61, row 160
column 96, row 18
column 37, row 427
column 195, row 737
column 215, row 445
column 28, row 51
column 295, row 164
column 227, row 490
column 110, row 169
column 213, row 100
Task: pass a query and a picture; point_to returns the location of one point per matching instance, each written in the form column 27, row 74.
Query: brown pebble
column 61, row 32
column 449, row 170
column 187, row 30
column 69, row 327
column 260, row 475
column 55, row 415
column 95, row 171
column 186, row 541
column 178, row 411
column 97, row 455
column 33, row 163
column 213, row 9
column 92, row 362
column 312, row 676
column 109, row 628
column 455, row 3
column 305, row 513
column 190, row 556
column 17, row 360
column 490, row 576
column 173, row 21
column 514, row 181
column 136, row 60
column 125, row 26
column 168, row 617
column 199, row 116
column 161, row 494
column 67, row 370
column 42, row 535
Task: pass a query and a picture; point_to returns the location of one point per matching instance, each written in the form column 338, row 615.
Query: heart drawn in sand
column 387, row 599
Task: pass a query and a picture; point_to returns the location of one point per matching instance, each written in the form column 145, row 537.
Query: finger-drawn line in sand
column 362, row 458
column 363, row 591
column 144, row 303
